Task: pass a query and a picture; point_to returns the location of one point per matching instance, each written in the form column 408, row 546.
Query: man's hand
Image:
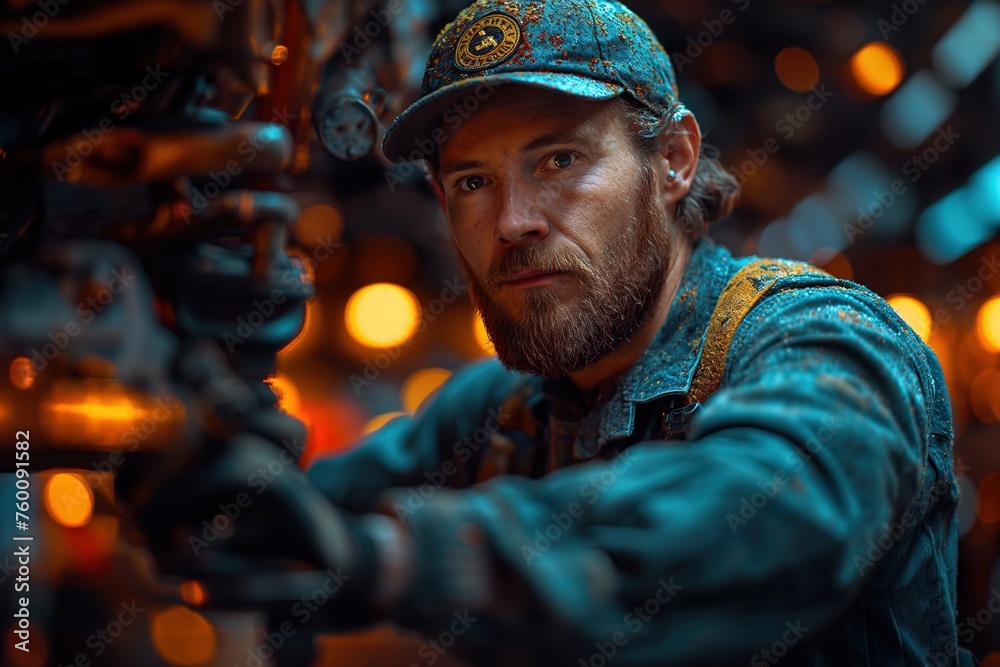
column 244, row 520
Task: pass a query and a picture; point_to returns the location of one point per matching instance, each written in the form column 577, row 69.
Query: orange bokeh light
column 69, row 499
column 796, row 69
column 878, row 68
column 22, row 375
column 182, row 636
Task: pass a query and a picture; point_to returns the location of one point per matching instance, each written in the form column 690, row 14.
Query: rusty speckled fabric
column 809, row 517
column 595, row 49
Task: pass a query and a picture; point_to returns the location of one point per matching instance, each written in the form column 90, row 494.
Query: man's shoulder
column 775, row 276
column 807, row 307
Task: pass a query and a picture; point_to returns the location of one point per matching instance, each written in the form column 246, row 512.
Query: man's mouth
column 531, row 278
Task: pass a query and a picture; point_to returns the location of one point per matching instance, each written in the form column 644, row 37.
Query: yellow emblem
column 488, row 41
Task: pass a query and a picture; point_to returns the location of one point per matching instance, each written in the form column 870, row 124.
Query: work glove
column 243, row 520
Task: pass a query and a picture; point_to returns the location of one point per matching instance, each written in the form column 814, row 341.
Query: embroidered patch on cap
column 488, row 41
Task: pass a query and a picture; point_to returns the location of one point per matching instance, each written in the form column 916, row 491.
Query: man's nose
column 520, row 218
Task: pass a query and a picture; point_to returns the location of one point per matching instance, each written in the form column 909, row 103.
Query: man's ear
column 679, row 153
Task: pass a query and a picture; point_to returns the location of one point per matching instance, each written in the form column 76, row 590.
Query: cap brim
column 411, row 135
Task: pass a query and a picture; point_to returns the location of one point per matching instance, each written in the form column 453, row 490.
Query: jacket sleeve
column 430, row 448
column 699, row 552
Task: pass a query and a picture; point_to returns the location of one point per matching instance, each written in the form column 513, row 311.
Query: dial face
column 347, row 129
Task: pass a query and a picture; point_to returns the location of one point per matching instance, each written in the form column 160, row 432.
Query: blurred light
column 813, row 224
column 69, row 500
column 857, row 193
column 988, row 325
column 988, row 499
column 420, row 385
column 193, row 593
column 22, row 375
column 333, row 424
column 970, row 45
column 796, row 69
column 375, row 423
column 382, row 315
column 182, row 636
column 288, row 394
column 878, row 68
column 991, row 660
column 913, row 312
column 279, row 54
column 916, row 109
column 963, row 218
column 479, row 331
column 951, row 227
column 981, row 391
column 775, row 240
column 940, row 341
column 106, row 414
column 985, row 184
column 319, row 222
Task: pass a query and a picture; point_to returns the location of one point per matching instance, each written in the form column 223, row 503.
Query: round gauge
column 347, row 128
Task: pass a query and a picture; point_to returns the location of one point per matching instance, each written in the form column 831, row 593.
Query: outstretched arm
column 701, row 552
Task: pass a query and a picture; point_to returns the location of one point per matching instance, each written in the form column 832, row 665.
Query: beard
column 550, row 335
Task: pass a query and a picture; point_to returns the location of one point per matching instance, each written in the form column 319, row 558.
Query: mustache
column 537, row 258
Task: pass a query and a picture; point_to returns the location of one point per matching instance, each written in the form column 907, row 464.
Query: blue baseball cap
column 595, row 49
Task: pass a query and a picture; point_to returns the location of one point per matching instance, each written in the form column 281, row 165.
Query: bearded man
column 679, row 457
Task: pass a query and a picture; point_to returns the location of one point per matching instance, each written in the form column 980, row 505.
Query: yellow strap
column 740, row 295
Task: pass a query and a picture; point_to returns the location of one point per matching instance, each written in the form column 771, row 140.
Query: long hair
column 714, row 191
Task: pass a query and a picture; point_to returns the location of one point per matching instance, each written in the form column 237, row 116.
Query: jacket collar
column 667, row 366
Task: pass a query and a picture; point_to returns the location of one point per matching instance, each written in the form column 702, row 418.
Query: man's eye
column 470, row 183
column 560, row 160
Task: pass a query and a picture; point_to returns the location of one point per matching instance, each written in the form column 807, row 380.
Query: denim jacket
column 807, row 518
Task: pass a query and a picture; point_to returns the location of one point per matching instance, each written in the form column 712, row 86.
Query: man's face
column 558, row 227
